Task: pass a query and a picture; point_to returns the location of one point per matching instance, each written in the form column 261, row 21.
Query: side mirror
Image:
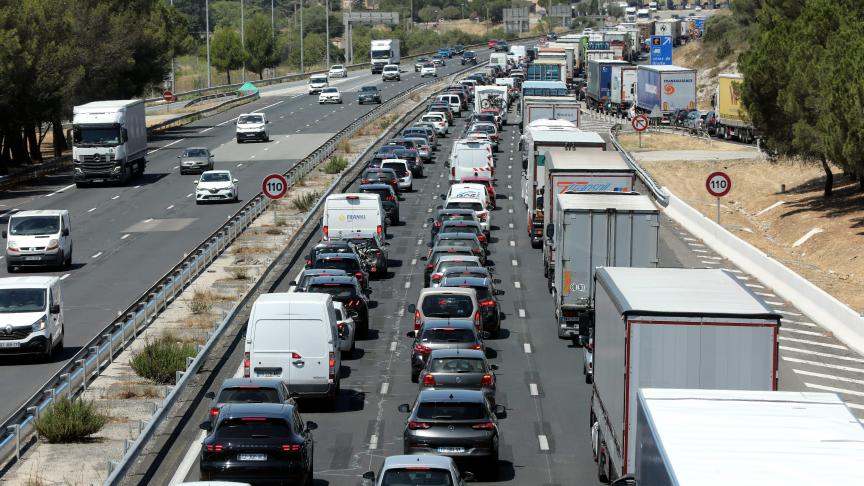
column 500, row 411
column 429, row 220
column 493, row 367
column 65, row 232
column 411, row 308
column 268, row 122
column 211, row 395
column 369, row 475
column 485, row 334
column 195, row 182
column 235, row 181
column 468, row 476
column 206, row 426
column 411, row 334
column 55, row 309
column 496, row 280
column 310, row 425
column 5, row 235
column 442, row 196
column 404, row 408
column 550, row 230
column 235, row 122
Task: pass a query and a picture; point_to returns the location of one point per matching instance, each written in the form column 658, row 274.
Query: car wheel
column 10, row 268
column 48, row 354
column 197, row 202
column 68, row 262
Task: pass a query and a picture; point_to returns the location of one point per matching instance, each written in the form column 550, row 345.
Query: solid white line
column 393, row 345
column 813, row 343
column 64, row 277
column 544, row 442
column 835, row 390
column 522, row 313
column 124, row 236
column 527, row 348
column 189, row 195
column 810, row 234
column 407, row 285
column 268, row 106
column 96, row 255
column 384, row 387
column 206, row 130
column 824, row 365
column 517, row 285
column 58, row 191
column 532, row 388
column 188, row 461
column 169, row 207
column 115, row 197
column 91, row 210
column 829, row 377
column 823, row 355
column 373, row 442
column 695, row 244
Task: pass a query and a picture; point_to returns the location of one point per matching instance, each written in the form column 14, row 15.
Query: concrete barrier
column 835, row 316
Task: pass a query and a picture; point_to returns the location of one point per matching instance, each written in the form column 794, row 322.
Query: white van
column 38, row 238
column 471, row 158
column 317, row 82
column 454, row 101
column 351, row 214
column 475, row 191
column 294, row 337
column 32, row 316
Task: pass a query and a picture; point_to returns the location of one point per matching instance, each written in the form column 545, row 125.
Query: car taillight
column 476, row 347
column 476, row 251
column 419, row 348
column 438, row 223
column 429, row 266
column 291, row 447
column 436, row 277
column 418, row 425
column 295, row 355
column 484, row 426
column 390, row 198
column 359, row 276
column 394, row 181
column 332, row 364
column 246, row 365
column 482, row 217
column 487, row 303
column 379, row 229
column 214, row 448
column 481, row 238
column 214, row 411
column 416, row 320
column 341, row 328
column 326, row 232
column 364, row 181
column 477, row 319
column 486, row 380
column 429, row 380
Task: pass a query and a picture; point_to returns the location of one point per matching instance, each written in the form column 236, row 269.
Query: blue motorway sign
column 661, row 49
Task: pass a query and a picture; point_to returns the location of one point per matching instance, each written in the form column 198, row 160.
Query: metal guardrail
column 45, row 168
column 189, row 117
column 74, row 377
column 660, row 196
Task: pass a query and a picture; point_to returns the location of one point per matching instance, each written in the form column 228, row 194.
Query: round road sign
column 274, row 186
column 168, row 96
column 639, row 123
column 718, row 184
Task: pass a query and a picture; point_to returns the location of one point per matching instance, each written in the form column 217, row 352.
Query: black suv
column 469, row 57
column 369, row 94
column 347, row 291
column 388, row 199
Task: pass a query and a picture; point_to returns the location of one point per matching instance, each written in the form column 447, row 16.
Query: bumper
column 269, row 472
column 404, row 183
column 471, row 451
column 219, row 196
column 34, row 260
column 323, row 390
column 33, row 344
column 194, row 167
column 391, row 77
column 251, row 135
column 369, row 99
column 329, row 100
column 112, row 174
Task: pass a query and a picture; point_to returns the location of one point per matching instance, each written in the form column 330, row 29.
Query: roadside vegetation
column 160, row 360
column 67, row 421
column 335, row 165
column 305, row 201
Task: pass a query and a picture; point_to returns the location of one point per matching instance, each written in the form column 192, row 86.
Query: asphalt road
column 125, row 238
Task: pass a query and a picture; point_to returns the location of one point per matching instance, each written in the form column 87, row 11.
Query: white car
column 346, row 327
column 252, row 126
column 477, row 204
column 330, row 95
column 318, row 82
column 337, row 71
column 391, row 73
column 403, row 172
column 438, row 120
column 216, row 185
column 428, row 69
column 417, row 469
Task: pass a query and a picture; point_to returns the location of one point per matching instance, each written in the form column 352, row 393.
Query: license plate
column 32, row 258
column 451, row 450
column 9, row 344
column 252, row 457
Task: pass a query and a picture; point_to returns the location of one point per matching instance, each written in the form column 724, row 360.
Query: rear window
column 420, row 476
column 476, row 206
column 381, row 192
column 399, row 168
column 243, row 428
column 451, row 411
column 453, row 263
column 457, row 365
column 248, row 394
column 349, row 265
column 442, row 305
column 461, row 229
column 375, row 174
column 457, row 217
column 447, row 335
column 336, row 290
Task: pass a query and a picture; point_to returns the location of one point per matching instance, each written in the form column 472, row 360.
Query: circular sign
column 274, row 186
column 718, row 184
column 168, row 96
column 640, row 123
column 669, row 89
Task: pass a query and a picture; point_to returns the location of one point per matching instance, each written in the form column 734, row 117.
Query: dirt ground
column 830, row 259
column 669, row 141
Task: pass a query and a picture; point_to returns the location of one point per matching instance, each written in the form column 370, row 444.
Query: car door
column 55, row 297
column 309, row 359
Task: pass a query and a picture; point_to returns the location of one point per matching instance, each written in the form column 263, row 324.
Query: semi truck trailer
column 732, row 119
column 661, row 90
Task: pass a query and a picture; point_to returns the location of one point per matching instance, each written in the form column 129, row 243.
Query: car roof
column 457, row 353
column 380, row 169
column 268, row 410
column 444, row 249
column 442, row 212
column 461, row 222
column 450, row 394
column 333, row 279
column 251, row 382
column 27, row 282
column 447, row 291
column 314, row 272
column 217, row 172
column 404, row 461
column 39, row 212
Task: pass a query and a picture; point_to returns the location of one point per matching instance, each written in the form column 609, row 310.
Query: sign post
column 274, row 187
column 640, row 124
column 168, row 96
column 718, row 184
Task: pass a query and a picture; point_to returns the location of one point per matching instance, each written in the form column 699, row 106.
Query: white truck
column 384, row 52
column 671, row 328
column 550, row 108
column 109, row 141
column 499, row 59
column 746, row 437
column 622, row 92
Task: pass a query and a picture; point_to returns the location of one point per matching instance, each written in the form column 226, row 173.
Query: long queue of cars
column 295, row 341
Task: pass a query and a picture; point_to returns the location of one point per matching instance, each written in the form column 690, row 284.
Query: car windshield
column 476, row 206
column 391, row 68
column 376, row 174
column 469, row 55
column 336, row 67
column 398, row 167
column 318, row 79
column 347, row 264
column 447, row 335
column 336, row 290
column 22, row 300
column 456, row 365
column 250, row 119
column 429, row 65
column 431, row 118
column 248, row 394
column 248, row 427
column 330, row 90
column 451, row 410
column 215, row 177
column 417, row 476
column 443, row 305
column 34, row 225
column 369, row 89
column 195, row 152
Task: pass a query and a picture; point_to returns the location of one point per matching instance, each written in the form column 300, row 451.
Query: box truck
column 600, row 81
column 663, row 90
column 670, row 328
column 746, row 437
column 670, row 27
column 383, row 52
column 622, row 92
column 549, row 108
column 591, row 230
column 575, row 171
column 732, row 118
column 109, row 141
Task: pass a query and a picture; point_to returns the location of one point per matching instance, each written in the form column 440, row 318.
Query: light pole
column 243, row 39
column 327, row 35
column 207, row 35
column 301, row 37
column 173, row 79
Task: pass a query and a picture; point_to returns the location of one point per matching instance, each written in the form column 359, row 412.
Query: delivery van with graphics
column 351, row 215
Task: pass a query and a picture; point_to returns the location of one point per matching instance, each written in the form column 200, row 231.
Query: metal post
column 243, row 38
column 173, row 78
column 327, row 36
column 718, row 210
column 301, row 37
column 207, row 35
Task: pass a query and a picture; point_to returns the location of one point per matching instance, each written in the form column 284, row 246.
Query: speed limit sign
column 718, row 184
column 274, row 186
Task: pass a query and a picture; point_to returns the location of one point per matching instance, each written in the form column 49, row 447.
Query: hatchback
column 308, row 273
column 195, row 159
column 487, row 295
column 388, row 199
column 380, row 175
column 459, row 368
column 348, row 291
column 465, row 227
column 455, row 214
column 442, row 334
column 349, row 262
column 247, row 390
column 452, row 303
column 418, row 470
column 437, row 253
column 446, row 262
column 466, row 239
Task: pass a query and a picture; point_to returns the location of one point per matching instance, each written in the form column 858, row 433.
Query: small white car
column 330, row 95
column 428, row 69
column 403, row 172
column 337, row 71
column 345, row 325
column 252, row 126
column 216, row 185
column 391, row 73
column 418, row 469
column 318, row 82
column 439, row 121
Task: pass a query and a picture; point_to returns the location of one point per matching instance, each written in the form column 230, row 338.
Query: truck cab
column 109, row 141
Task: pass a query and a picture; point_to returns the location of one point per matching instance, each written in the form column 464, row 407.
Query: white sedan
column 330, row 95
column 216, row 185
column 337, row 71
column 428, row 69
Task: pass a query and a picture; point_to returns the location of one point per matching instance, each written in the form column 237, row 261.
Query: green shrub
column 68, row 421
column 160, row 360
column 305, row 201
column 335, row 165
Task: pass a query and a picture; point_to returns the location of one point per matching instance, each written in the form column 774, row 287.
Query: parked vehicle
column 32, row 310
column 216, row 185
column 109, row 141
column 40, row 237
column 195, row 159
column 437, row 333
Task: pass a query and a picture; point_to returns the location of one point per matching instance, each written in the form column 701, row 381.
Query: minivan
column 32, row 313
column 455, row 102
column 38, row 238
column 353, row 213
column 471, row 158
column 318, row 82
column 294, row 337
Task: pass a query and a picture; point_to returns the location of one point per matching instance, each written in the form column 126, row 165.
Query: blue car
column 445, row 52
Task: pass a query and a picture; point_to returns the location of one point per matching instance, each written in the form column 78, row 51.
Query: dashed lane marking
column 97, row 255
column 393, row 345
column 829, row 377
column 544, row 442
column 822, row 355
column 91, row 210
column 124, row 236
column 522, row 313
column 64, row 277
column 527, row 348
column 532, row 388
column 517, row 285
column 823, row 365
column 169, row 207
column 58, row 191
column 373, row 442
column 835, row 390
column 812, row 343
column 384, row 387
column 515, row 263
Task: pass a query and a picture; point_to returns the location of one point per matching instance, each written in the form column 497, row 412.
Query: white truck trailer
column 383, row 52
column 550, row 108
column 671, row 328
column 109, row 141
column 592, row 230
column 714, row 437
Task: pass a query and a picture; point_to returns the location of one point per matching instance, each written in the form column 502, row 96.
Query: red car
column 484, row 181
column 491, row 44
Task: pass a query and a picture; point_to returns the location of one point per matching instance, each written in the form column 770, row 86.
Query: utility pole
column 301, row 37
column 207, row 34
column 327, row 36
column 173, row 78
column 273, row 32
column 243, row 39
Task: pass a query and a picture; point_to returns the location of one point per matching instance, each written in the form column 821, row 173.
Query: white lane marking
column 165, row 146
column 532, row 389
column 373, row 442
column 854, row 405
column 252, row 157
column 407, row 285
column 510, row 210
column 710, row 262
column 148, row 220
column 136, row 187
column 517, row 285
column 712, row 257
column 512, row 243
column 772, row 302
column 544, row 442
column 96, row 255
column 240, row 164
column 188, row 461
column 169, row 207
column 769, row 208
column 801, row 331
column 176, row 167
column 64, row 277
column 835, row 390
column 695, row 244
column 822, row 355
column 823, row 365
column 522, row 313
column 515, row 263
column 510, row 197
column 687, row 238
column 91, row 210
column 413, row 262
column 429, row 210
column 401, row 312
column 800, row 323
column 765, row 294
column 384, row 387
column 699, row 251
column 812, row 343
column 124, row 236
column 393, row 345
column 810, row 234
column 510, row 225
column 189, row 195
column 419, row 242
column 755, row 286
column 829, row 377
column 58, row 191
column 268, row 106
column 115, row 197
column 206, row 130
column 527, row 348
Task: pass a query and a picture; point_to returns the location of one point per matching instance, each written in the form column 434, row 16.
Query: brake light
column 326, row 232
column 394, row 181
column 332, row 363
column 436, row 277
column 418, row 425
column 419, row 348
column 214, row 411
column 486, row 380
column 481, row 238
column 214, row 447
column 416, row 320
column 341, row 328
column 487, row 303
column 246, row 365
column 429, row 266
column 477, row 319
column 359, row 276
column 438, row 223
column 295, row 355
column 364, row 181
column 484, row 426
column 390, row 198
column 379, row 229
column 291, row 447
column 428, row 380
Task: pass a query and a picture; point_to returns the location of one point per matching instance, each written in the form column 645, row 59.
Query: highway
column 127, row 237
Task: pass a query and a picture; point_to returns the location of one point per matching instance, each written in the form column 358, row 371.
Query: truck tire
column 602, row 461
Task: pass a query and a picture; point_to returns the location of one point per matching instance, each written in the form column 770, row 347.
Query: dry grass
column 136, row 390
column 240, row 273
column 246, row 251
column 275, row 231
column 671, row 141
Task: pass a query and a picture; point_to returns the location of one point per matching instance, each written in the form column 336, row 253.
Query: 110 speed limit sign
column 718, row 184
column 274, row 186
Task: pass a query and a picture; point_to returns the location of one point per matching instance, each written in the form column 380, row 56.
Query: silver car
column 459, row 368
column 195, row 159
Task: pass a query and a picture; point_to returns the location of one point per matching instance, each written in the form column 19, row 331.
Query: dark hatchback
column 388, row 199
column 438, row 333
column 261, row 442
column 349, row 262
column 380, row 175
column 332, row 246
column 369, row 94
column 450, row 215
column 469, row 57
column 487, row 298
column 347, row 291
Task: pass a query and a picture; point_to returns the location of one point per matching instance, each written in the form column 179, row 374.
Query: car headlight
column 40, row 325
column 53, row 244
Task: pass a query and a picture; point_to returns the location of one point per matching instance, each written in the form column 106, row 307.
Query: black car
column 502, row 46
column 411, row 156
column 388, row 199
column 264, row 442
column 380, row 175
column 458, row 49
column 469, row 57
column 247, row 390
column 677, row 118
column 487, row 296
column 308, row 274
column 349, row 262
column 331, row 246
column 347, row 291
column 369, row 94
column 437, row 333
column 450, row 215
